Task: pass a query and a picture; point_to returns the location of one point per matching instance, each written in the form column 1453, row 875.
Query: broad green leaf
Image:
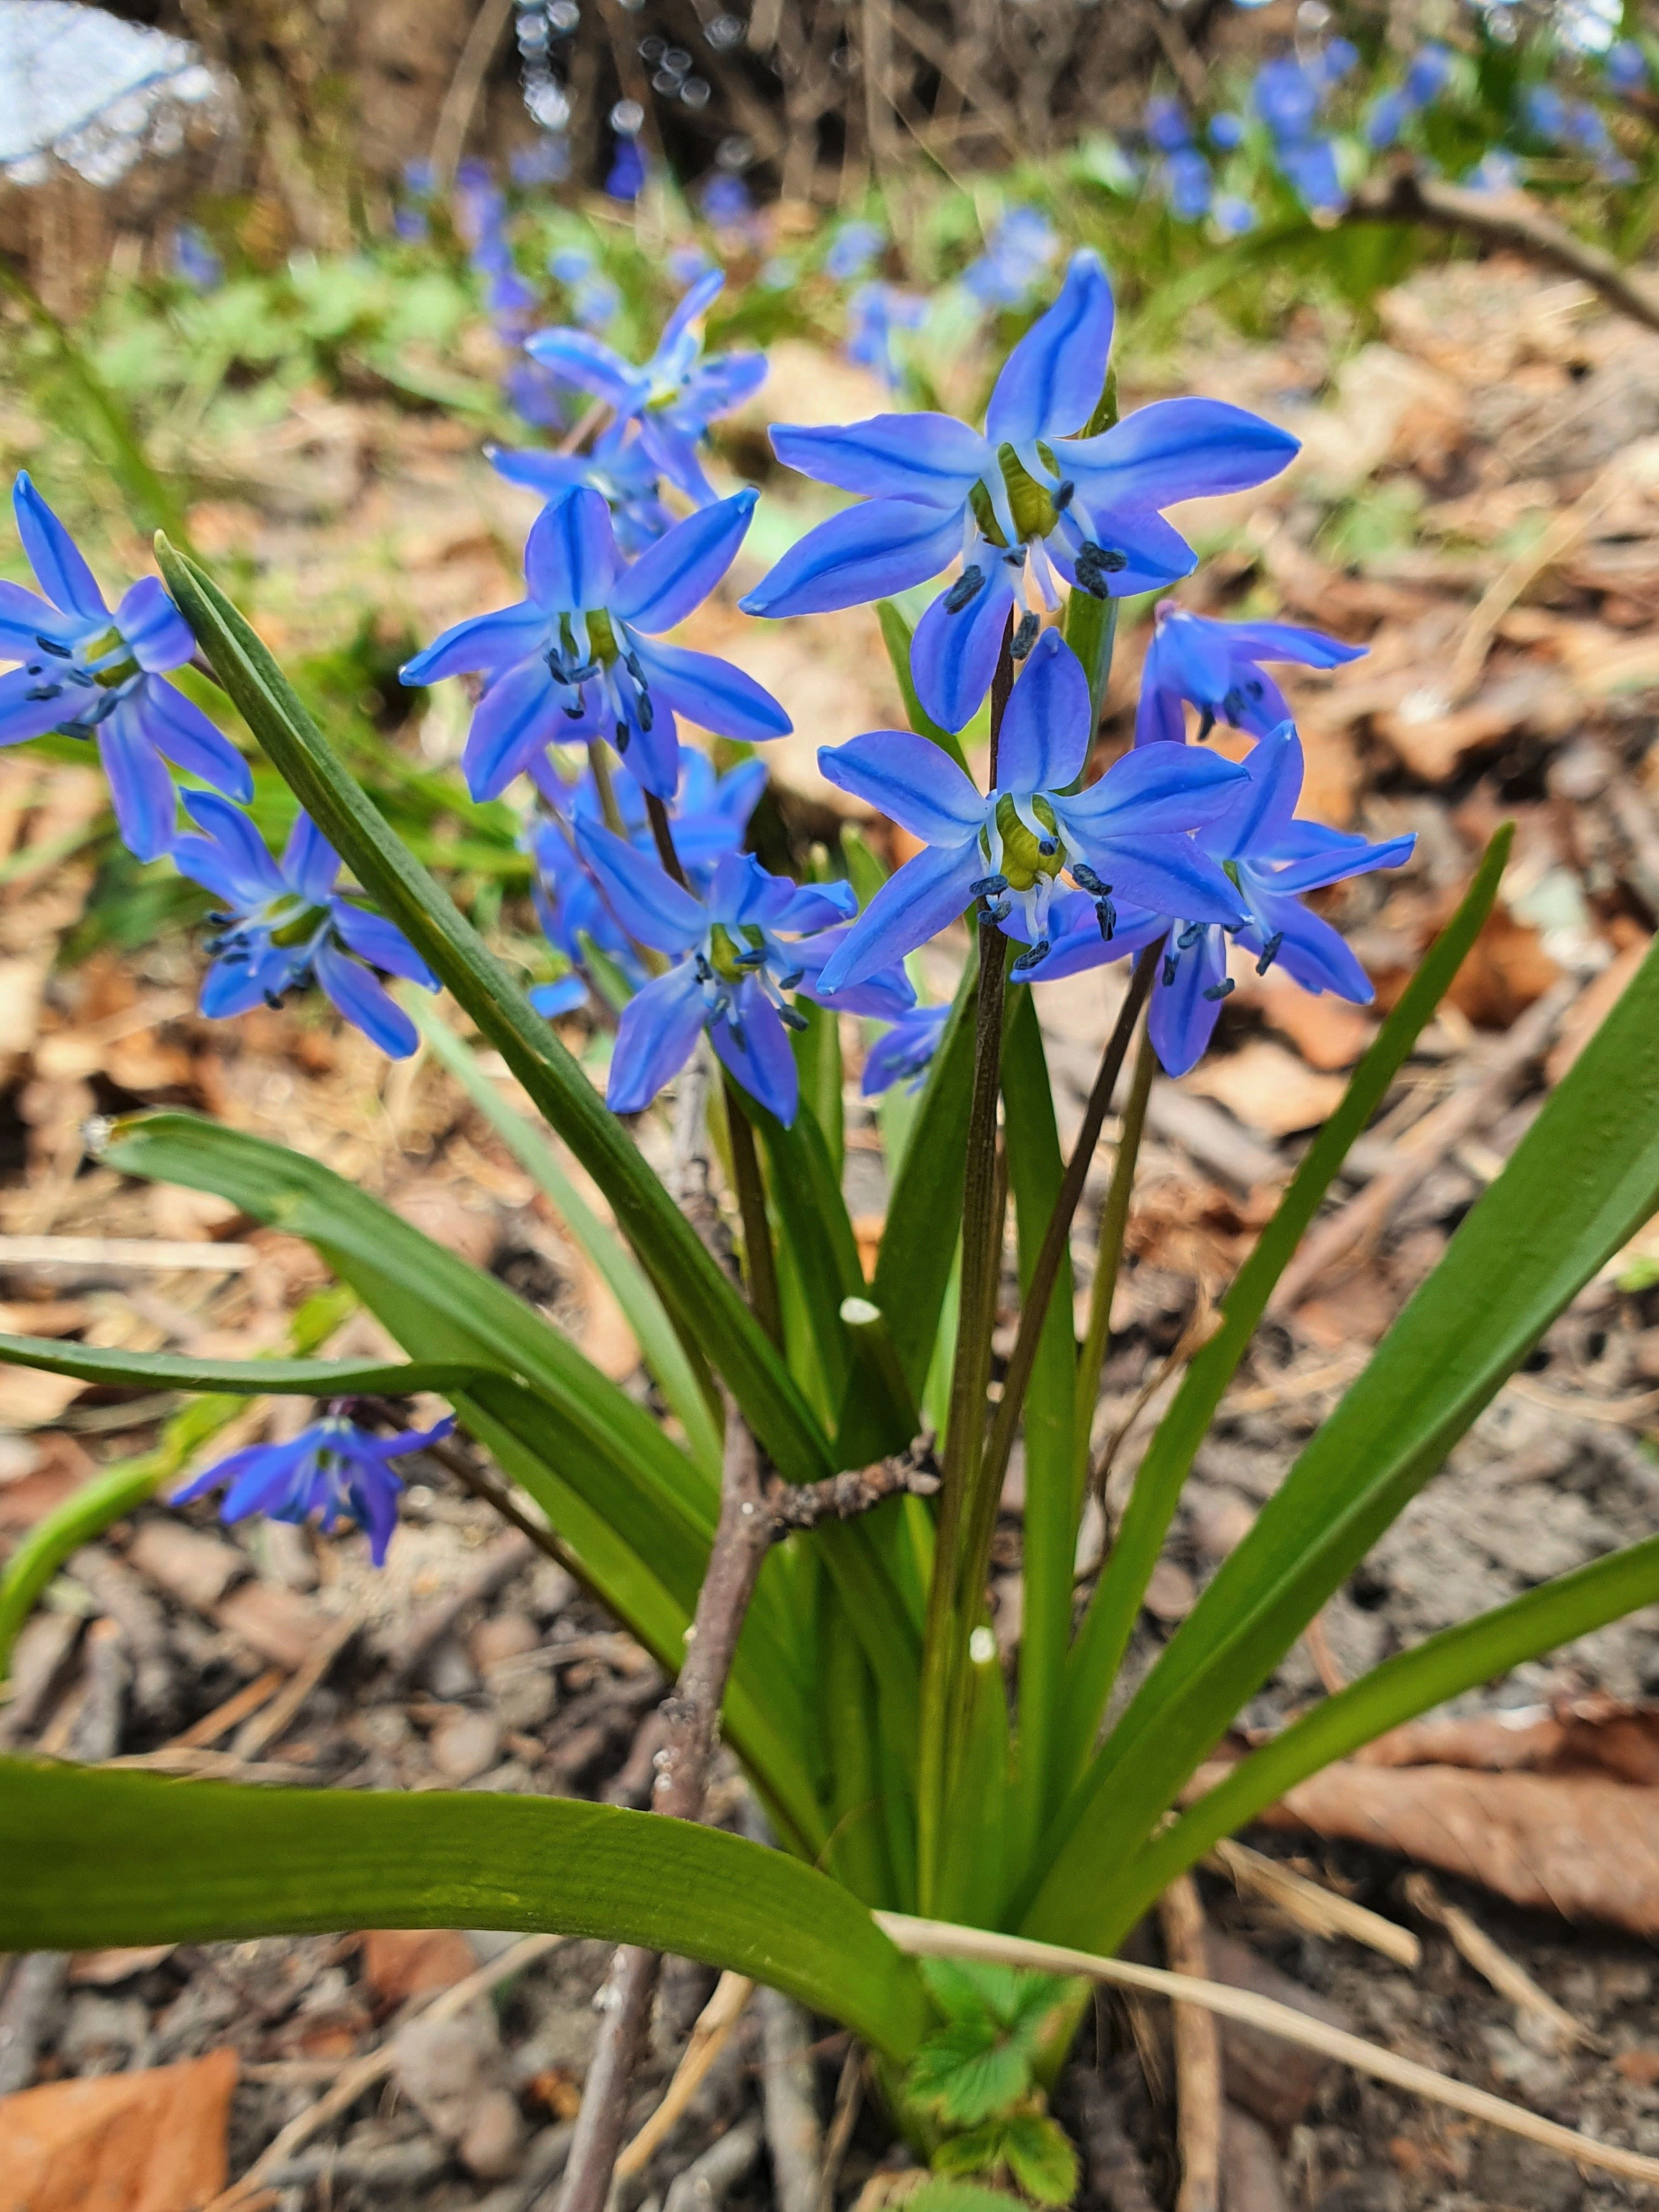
column 1583, row 1178
column 811, row 1217
column 877, row 1413
column 705, row 1303
column 1104, row 1636
column 819, row 1066
column 895, row 636
column 1039, row 2158
column 1413, row 1682
column 660, row 1349
column 924, row 1208
column 298, row 1378
column 91, row 1857
column 945, row 2194
column 1035, row 1169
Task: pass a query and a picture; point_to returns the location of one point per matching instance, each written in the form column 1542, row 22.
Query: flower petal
column 141, row 790
column 1181, row 1020
column 1160, row 717
column 881, row 997
column 1334, row 864
column 1175, row 449
column 652, row 756
column 230, row 987
column 758, row 1055
column 1052, row 381
column 547, row 473
column 711, row 693
column 865, row 553
column 570, row 556
column 911, row 781
column 659, row 1028
column 721, row 382
column 1156, row 788
column 563, row 996
column 1075, row 944
column 1154, row 552
column 382, row 944
column 589, row 364
column 671, row 449
column 23, row 716
column 54, row 555
column 310, row 864
column 1045, row 731
column 648, row 902
column 177, row 727
column 953, row 655
column 680, row 570
column 1312, row 648
column 354, row 993
column 1263, row 807
column 1168, row 875
column 911, row 906
column 242, row 862
column 698, row 298
column 1309, row 950
column 929, row 459
column 515, row 719
column 486, row 642
column 158, row 633
column 24, row 617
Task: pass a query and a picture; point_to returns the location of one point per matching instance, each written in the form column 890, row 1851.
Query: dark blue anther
column 43, row 692
column 1170, row 960
column 964, row 590
column 1024, row 637
column 791, row 1019
column 1063, row 495
column 52, row 646
column 987, row 886
column 1029, row 959
column 1222, row 989
column 1106, row 915
column 1206, row 723
column 788, row 982
column 1190, row 935
column 1270, row 953
column 1086, row 878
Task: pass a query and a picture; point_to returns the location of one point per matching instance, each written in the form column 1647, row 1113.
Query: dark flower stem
column 954, row 1595
column 1109, row 1257
column 663, row 830
column 760, row 1266
column 1035, row 1305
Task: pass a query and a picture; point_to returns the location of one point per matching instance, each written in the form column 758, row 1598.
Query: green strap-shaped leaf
column 89, row 1857
column 895, row 636
column 705, row 1301
column 1582, row 1180
column 1104, row 1636
column 253, row 1378
column 812, row 1222
column 1413, row 1682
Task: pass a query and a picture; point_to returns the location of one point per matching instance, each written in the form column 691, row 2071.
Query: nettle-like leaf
column 982, row 2063
column 1040, row 2157
column 942, row 2195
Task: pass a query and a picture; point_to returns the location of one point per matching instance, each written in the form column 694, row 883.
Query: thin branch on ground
column 1197, row 2053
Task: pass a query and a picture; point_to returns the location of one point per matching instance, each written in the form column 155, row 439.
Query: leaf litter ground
column 1479, row 501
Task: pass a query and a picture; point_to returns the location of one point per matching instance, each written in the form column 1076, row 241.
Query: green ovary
column 1023, row 861
column 723, row 950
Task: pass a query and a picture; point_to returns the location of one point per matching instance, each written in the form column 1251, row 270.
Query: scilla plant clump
column 804, row 1539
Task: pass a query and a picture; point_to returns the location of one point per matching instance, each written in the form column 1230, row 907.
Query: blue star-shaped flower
column 582, row 656
column 737, row 953
column 286, row 925
column 1124, row 837
column 1215, row 666
column 87, row 672
column 905, row 1053
column 333, row 1473
column 1021, row 501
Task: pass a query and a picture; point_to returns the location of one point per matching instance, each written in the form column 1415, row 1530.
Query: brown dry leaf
column 1329, row 1034
column 29, row 1398
column 57, row 1465
column 1190, row 1229
column 105, row 1970
column 1591, row 1008
column 150, row 2141
column 606, row 1338
column 1355, row 1313
column 407, row 1962
column 1593, row 1734
column 1267, row 1088
column 1432, row 737
column 21, row 981
column 1507, row 968
column 1579, row 1845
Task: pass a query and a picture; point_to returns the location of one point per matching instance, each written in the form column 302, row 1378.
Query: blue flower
column 1427, row 75
column 1498, row 171
column 617, row 466
column 1020, row 502
column 1214, row 665
column 1626, row 66
column 1286, row 97
column 1187, row 182
column 1234, row 217
column 1019, row 249
column 1546, row 111
column 333, row 1473
column 1310, row 167
column 1123, row 837
column 674, row 397
column 195, row 260
column 1166, row 124
column 876, row 314
column 581, row 657
column 727, row 202
column 285, row 924
column 570, row 263
column 1226, row 130
column 1387, row 116
column 626, row 181
column 736, row 952
column 87, row 671
column 687, row 263
column 532, row 393
column 1273, row 858
column 1339, row 59
column 853, row 251
column 905, row 1053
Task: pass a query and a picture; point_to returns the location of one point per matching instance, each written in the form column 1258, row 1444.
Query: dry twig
column 1506, row 1975
column 1197, row 2053
column 1319, row 1910
column 710, row 2037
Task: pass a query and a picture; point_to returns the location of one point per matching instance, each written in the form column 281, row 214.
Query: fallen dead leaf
column 105, row 1970
column 407, row 1962
column 1269, row 1088
column 149, row 2142
column 29, row 1398
column 606, row 1338
column 21, row 981
column 1580, row 1845
column 1588, row 1011
column 1582, row 1735
column 1506, row 969
column 57, row 1466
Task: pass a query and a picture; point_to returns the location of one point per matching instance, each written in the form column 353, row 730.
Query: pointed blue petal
column 930, row 460
column 911, row 781
column 865, row 553
column 880, row 997
column 517, row 717
column 1175, row 449
column 1312, row 648
column 648, row 903
column 652, row 756
column 911, row 906
column 741, row 891
column 953, row 655
column 1168, row 875
column 230, row 987
column 1045, row 731
column 570, row 556
column 680, row 570
column 1261, row 807
column 671, row 449
column 244, row 859
column 25, row 617
column 381, row 942
column 721, row 382
column 1160, row 716
column 1309, row 950
column 483, row 642
column 1157, row 789
column 819, row 906
column 1314, row 872
column 711, row 693
column 699, row 296
column 659, row 1028
column 354, row 993
column 589, row 364
column 310, row 864
column 1190, row 656
column 1181, row 1020
column 177, row 727
column 762, row 1060
column 547, row 473
column 563, row 996
column 23, row 717
column 54, row 555
column 141, row 790
column 158, row 633
column 1052, row 381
